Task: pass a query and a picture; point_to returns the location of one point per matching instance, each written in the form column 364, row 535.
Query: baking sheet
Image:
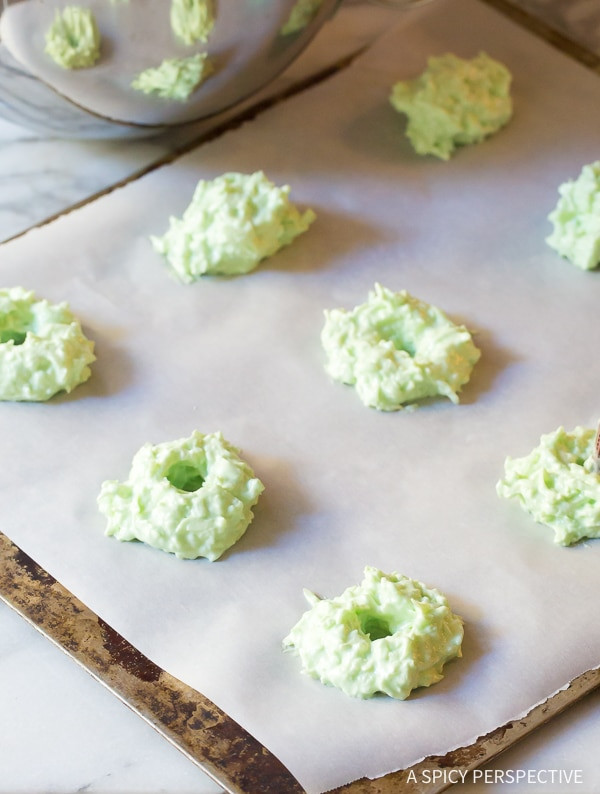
column 345, row 486
column 579, row 20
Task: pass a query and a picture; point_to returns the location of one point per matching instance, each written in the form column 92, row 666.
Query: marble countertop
column 60, row 730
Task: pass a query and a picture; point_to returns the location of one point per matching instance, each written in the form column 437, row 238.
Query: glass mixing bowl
column 247, row 43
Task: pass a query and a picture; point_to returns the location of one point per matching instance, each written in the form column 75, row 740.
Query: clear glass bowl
column 250, row 43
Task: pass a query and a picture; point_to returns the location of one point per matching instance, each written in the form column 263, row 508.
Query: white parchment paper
column 346, row 486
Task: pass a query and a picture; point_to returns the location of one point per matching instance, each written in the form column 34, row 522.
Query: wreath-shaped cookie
column 42, row 347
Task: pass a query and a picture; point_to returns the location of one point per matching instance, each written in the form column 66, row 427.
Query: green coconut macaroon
column 454, row 102
column 192, row 497
column 43, row 350
column 396, row 349
column 558, row 485
column 73, row 39
column 192, row 20
column 175, row 78
column 389, row 634
column 576, row 219
column 232, row 223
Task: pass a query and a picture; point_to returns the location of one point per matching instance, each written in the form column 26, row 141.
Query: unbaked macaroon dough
column 231, row 224
column 388, row 634
column 576, row 219
column 454, row 102
column 73, row 39
column 192, row 20
column 175, row 78
column 42, row 347
column 192, row 497
column 558, row 485
column 395, row 349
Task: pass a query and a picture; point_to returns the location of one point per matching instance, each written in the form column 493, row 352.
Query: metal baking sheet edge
column 537, row 26
column 196, row 726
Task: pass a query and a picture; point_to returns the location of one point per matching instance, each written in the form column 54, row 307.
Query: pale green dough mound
column 454, row 102
column 192, row 497
column 192, row 20
column 396, row 349
column 73, row 39
column 389, row 634
column 175, row 78
column 302, row 13
column 231, row 224
column 557, row 484
column 576, row 219
column 42, row 348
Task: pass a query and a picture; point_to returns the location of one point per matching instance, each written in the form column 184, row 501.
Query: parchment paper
column 345, row 486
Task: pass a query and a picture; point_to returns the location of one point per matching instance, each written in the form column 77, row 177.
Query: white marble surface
column 60, row 730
